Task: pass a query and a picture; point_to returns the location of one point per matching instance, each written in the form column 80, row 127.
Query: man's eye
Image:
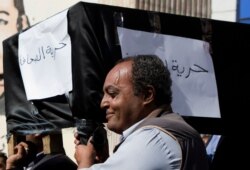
column 3, row 22
column 112, row 94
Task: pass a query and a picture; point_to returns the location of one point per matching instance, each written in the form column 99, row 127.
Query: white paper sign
column 45, row 58
column 190, row 64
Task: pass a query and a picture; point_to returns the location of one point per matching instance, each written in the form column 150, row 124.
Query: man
column 137, row 98
column 29, row 154
column 3, row 159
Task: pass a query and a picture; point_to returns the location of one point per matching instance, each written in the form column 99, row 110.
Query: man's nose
column 104, row 102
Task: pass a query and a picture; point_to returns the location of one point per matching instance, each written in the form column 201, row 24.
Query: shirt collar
column 128, row 131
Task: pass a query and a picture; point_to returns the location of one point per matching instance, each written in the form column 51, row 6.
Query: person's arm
column 16, row 160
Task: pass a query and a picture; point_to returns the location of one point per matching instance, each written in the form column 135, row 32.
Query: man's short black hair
column 149, row 70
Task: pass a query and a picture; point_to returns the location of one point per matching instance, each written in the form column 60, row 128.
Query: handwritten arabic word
column 42, row 54
column 186, row 72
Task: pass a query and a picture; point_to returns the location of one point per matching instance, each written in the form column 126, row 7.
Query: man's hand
column 20, row 153
column 85, row 155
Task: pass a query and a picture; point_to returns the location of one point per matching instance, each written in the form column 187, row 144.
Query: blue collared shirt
column 147, row 148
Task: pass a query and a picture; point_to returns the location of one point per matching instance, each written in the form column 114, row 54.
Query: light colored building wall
column 121, row 3
column 39, row 10
column 224, row 10
column 3, row 139
column 197, row 8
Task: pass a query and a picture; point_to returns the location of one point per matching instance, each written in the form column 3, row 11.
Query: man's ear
column 149, row 94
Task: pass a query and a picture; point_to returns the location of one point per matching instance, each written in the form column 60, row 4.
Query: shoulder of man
column 189, row 139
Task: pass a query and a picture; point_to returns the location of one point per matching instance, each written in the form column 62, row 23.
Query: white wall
column 224, row 10
column 3, row 139
column 39, row 10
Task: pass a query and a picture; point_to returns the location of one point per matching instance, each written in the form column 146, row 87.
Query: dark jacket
column 51, row 162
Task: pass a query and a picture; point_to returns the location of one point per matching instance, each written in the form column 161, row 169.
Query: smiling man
column 137, row 99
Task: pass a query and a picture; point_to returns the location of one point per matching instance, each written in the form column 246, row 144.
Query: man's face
column 123, row 108
column 8, row 27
